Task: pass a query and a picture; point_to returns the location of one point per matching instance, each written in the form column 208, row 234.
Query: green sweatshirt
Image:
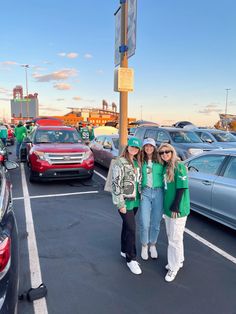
column 20, row 133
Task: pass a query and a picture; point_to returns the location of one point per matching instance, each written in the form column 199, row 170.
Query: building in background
column 23, row 107
column 95, row 116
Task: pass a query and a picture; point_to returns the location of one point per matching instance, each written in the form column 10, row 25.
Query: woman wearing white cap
column 126, row 186
column 151, row 206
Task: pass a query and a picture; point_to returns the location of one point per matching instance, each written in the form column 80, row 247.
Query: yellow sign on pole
column 124, row 80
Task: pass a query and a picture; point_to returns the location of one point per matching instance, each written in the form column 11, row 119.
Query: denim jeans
column 151, row 211
column 18, row 144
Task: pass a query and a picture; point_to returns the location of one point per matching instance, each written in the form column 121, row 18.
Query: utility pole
column 226, row 106
column 123, row 121
column 26, row 66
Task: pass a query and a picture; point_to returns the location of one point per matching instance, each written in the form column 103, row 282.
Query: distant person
column 84, row 133
column 151, row 206
column 20, row 132
column 91, row 132
column 3, row 133
column 29, row 126
column 126, row 181
column 176, row 207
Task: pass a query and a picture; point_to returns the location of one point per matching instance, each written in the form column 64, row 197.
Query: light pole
column 26, row 66
column 226, row 105
column 226, row 99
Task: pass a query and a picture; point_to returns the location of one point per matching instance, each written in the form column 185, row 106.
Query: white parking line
column 198, row 238
column 40, row 306
column 210, row 245
column 54, row 195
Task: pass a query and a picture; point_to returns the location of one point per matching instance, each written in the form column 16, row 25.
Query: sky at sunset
column 185, row 57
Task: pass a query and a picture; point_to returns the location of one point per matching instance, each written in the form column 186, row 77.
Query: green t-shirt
column 84, row 134
column 20, row 133
column 157, row 175
column 180, row 181
column 131, row 204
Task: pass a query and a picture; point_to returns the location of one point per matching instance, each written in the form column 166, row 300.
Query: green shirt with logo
column 157, row 175
column 180, row 182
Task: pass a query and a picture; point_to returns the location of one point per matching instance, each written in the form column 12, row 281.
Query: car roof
column 211, row 130
column 55, row 127
column 167, row 128
column 227, row 151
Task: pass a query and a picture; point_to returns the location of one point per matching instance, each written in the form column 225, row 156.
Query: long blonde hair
column 172, row 163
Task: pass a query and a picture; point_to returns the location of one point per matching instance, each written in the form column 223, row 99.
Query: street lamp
column 26, row 66
column 226, row 100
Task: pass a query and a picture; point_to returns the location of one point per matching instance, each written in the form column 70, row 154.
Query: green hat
column 135, row 142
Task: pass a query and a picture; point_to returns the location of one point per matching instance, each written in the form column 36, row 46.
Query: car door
column 107, row 154
column 97, row 148
column 203, row 171
column 224, row 196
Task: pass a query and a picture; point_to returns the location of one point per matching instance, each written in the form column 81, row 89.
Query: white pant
column 175, row 232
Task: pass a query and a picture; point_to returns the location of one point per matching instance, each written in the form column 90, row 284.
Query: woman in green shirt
column 151, row 207
column 126, row 181
column 176, row 207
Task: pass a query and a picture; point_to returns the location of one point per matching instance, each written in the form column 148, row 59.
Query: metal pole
column 226, row 105
column 123, row 121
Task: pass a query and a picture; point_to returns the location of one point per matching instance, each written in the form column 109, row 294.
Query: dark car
column 221, row 138
column 9, row 255
column 183, row 124
column 212, row 185
column 186, row 142
column 105, row 148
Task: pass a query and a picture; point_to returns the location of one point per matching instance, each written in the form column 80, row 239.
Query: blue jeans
column 18, row 144
column 151, row 211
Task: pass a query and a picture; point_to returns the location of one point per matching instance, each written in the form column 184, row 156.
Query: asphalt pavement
column 78, row 242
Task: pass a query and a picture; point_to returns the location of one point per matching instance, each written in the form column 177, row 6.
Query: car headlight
column 88, row 154
column 41, row 155
column 195, row 151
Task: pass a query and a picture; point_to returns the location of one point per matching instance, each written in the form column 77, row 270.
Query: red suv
column 55, row 152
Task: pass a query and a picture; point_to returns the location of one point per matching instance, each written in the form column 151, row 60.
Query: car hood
column 60, row 148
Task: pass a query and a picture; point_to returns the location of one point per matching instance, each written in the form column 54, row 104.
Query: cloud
column 60, row 99
column 56, row 76
column 88, row 56
column 3, row 90
column 62, row 86
column 9, row 63
column 70, row 55
column 4, row 99
column 212, row 108
column 51, row 109
column 100, row 72
column 77, row 98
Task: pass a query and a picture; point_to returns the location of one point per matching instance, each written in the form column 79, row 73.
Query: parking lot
column 71, row 243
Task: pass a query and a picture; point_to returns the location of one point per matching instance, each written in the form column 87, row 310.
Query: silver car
column 105, row 148
column 223, row 139
column 212, row 184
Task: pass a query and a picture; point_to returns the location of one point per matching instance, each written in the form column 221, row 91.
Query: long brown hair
column 126, row 155
column 155, row 156
column 172, row 163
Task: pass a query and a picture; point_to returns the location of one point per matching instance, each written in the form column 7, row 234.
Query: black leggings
column 128, row 231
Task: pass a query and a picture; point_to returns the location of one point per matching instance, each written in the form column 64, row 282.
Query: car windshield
column 56, row 136
column 224, row 137
column 185, row 137
column 116, row 142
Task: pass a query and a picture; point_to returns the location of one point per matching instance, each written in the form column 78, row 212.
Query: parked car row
column 9, row 254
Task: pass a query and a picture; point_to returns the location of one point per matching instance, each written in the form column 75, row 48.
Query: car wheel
column 32, row 178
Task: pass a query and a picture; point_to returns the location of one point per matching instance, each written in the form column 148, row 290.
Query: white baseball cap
column 150, row 141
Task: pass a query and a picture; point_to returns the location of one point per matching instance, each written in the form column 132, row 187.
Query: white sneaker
column 153, row 251
column 144, row 252
column 134, row 267
column 170, row 276
column 180, row 266
column 123, row 254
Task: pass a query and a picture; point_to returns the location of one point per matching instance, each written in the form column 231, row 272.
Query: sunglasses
column 165, row 152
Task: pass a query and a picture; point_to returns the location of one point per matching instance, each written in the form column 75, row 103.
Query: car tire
column 32, row 178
